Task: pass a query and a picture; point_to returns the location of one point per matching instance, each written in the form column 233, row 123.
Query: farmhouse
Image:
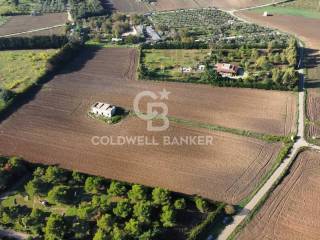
column 226, row 69
column 103, row 109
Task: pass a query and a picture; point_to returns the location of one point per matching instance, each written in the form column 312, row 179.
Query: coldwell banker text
column 152, row 141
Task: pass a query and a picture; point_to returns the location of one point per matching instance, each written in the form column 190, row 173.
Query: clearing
column 291, row 211
column 20, row 69
column 54, row 128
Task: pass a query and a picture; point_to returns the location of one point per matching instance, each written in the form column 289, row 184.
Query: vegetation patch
column 57, row 204
column 20, row 69
column 269, row 68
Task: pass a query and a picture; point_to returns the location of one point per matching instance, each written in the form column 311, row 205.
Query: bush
column 229, row 209
column 180, row 204
column 201, row 204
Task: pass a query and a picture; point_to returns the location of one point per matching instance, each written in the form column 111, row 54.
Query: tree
column 118, row 234
column 254, row 54
column 55, row 175
column 276, row 75
column 81, row 229
column 137, row 193
column 85, row 212
column 180, row 204
column 229, row 209
column 117, row 189
column 105, row 223
column 35, row 187
column 55, row 228
column 167, row 216
column 142, row 211
column 100, row 235
column 59, row 194
column 93, row 185
column 123, row 209
column 79, row 177
column 161, row 196
column 133, row 228
column 201, row 204
column 262, row 62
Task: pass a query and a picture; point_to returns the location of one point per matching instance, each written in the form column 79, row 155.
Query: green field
column 168, row 63
column 302, row 8
column 20, row 69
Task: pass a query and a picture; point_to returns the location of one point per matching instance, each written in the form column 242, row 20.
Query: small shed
column 103, row 109
column 266, row 14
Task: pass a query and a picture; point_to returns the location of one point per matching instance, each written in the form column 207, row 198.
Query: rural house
column 103, row 109
column 226, row 69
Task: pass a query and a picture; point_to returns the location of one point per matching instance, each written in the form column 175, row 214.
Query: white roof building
column 103, row 109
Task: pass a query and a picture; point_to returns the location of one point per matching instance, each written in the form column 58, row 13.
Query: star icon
column 164, row 94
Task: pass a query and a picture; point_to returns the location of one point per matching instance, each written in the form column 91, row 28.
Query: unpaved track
column 306, row 33
column 292, row 210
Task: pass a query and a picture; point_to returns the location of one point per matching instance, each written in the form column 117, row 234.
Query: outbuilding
column 103, row 109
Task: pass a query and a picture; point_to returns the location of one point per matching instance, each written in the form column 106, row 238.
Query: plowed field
column 18, row 24
column 292, row 210
column 53, row 128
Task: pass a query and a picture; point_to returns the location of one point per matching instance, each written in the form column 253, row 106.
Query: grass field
column 168, row 63
column 20, row 69
column 307, row 9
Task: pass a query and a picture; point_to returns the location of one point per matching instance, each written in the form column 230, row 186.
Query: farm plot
column 300, row 26
column 307, row 9
column 54, row 128
column 212, row 25
column 159, row 5
column 19, row 24
column 292, row 210
column 238, row 4
column 168, row 64
column 254, row 110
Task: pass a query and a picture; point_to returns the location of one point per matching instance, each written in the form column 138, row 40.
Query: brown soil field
column 53, row 128
column 238, row 4
column 303, row 27
column 25, row 23
column 160, row 5
column 272, row 112
column 292, row 210
column 165, row 5
column 313, row 105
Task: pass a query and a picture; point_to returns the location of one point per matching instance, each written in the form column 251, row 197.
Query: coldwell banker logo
column 157, row 110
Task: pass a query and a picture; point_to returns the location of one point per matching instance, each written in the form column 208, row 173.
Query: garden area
column 53, row 203
column 267, row 68
column 168, row 63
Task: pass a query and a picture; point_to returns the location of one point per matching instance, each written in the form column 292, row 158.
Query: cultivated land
column 54, row 128
column 302, row 27
column 18, row 24
column 159, row 5
column 307, row 9
column 292, row 210
column 260, row 111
